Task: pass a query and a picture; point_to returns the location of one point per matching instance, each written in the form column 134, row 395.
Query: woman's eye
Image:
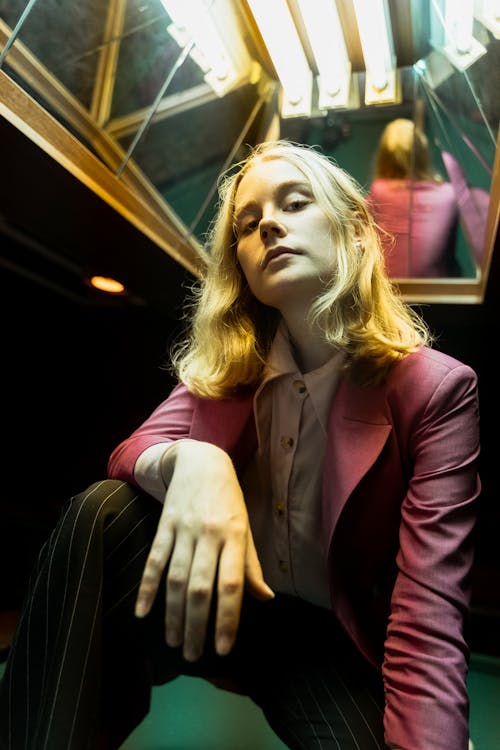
column 249, row 226
column 296, row 205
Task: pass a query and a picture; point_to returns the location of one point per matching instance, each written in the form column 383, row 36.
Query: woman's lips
column 276, row 252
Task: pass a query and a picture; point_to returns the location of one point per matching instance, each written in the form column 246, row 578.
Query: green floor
column 484, row 691
column 231, row 722
column 221, row 721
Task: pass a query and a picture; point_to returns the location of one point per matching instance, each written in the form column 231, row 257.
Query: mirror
column 426, row 166
column 111, row 76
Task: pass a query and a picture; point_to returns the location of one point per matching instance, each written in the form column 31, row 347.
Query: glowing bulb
column 107, row 284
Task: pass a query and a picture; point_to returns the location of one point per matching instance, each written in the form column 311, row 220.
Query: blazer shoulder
column 433, row 363
column 428, row 372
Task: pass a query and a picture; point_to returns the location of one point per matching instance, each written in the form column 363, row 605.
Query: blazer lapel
column 358, row 430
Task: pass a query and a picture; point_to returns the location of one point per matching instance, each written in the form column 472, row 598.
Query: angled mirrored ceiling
column 119, row 93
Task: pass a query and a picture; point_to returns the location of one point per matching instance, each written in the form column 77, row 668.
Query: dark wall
column 76, row 379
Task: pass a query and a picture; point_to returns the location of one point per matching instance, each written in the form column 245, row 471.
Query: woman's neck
column 309, row 347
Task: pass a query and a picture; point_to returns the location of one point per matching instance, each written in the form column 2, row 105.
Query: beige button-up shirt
column 282, row 486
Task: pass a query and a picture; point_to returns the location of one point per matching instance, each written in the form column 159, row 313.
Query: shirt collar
column 280, row 360
column 321, row 383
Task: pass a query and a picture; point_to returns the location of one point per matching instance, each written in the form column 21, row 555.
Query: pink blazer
column 399, row 503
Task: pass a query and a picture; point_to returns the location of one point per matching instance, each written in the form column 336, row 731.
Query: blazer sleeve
column 170, row 421
column 426, row 655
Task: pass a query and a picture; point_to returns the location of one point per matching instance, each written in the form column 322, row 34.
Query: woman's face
column 284, row 244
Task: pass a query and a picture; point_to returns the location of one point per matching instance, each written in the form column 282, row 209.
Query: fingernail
column 223, row 645
column 140, row 608
column 191, row 654
column 173, row 638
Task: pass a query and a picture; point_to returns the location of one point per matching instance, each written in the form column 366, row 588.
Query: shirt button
column 299, row 386
column 283, row 566
column 280, row 509
column 286, row 442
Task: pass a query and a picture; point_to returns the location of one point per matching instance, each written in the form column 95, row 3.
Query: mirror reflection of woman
column 414, row 207
column 294, row 522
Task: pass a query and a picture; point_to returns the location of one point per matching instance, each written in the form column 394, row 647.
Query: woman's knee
column 109, row 522
column 101, row 505
column 106, row 498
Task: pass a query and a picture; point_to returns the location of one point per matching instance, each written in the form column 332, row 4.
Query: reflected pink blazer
column 400, row 486
column 422, row 217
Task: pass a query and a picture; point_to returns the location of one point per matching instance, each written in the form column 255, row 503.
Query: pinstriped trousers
column 81, row 666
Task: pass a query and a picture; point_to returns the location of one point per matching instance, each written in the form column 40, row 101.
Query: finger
column 199, row 597
column 176, row 588
column 153, row 570
column 230, row 586
column 254, row 577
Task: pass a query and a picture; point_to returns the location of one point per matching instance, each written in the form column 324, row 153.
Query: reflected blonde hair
column 403, row 153
column 359, row 310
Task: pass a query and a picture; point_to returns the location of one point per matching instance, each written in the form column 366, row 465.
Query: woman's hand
column 205, row 539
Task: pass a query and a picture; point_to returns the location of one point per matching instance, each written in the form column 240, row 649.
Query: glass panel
column 147, row 55
column 462, row 116
column 185, row 183
column 65, row 37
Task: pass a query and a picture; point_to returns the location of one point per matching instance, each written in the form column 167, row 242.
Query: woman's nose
column 270, row 227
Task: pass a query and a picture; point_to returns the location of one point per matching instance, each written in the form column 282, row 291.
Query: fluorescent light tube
column 326, row 37
column 488, row 13
column 451, row 32
column 459, row 17
column 376, row 41
column 285, row 49
column 191, row 21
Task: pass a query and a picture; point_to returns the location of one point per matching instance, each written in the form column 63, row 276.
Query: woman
column 415, row 208
column 309, row 488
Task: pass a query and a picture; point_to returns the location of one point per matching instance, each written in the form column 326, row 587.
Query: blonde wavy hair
column 403, row 153
column 230, row 331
